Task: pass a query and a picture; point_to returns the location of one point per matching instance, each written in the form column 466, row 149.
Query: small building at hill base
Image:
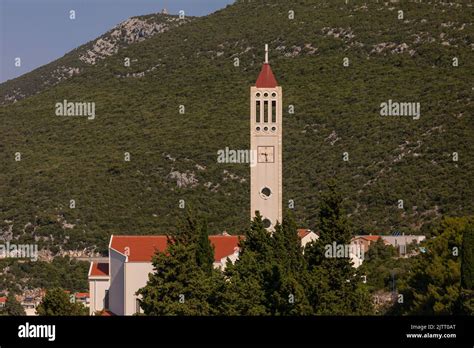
column 113, row 284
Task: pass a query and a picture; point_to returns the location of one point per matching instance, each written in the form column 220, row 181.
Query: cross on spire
column 266, row 79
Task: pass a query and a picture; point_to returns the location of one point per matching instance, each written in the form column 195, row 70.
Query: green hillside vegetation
column 61, row 272
column 336, row 111
column 57, row 303
column 434, row 284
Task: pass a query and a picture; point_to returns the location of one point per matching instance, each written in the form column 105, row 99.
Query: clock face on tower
column 266, row 154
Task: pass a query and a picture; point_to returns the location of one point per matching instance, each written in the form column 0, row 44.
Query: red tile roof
column 303, row 232
column 266, row 79
column 142, row 248
column 138, row 248
column 107, row 313
column 82, row 294
column 3, row 299
column 369, row 238
column 224, row 246
column 99, row 269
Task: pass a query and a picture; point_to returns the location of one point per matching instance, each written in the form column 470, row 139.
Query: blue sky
column 40, row 31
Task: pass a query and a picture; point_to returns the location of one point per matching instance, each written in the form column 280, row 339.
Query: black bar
column 227, row 331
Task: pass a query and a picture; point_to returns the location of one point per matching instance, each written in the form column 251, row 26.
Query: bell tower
column 266, row 145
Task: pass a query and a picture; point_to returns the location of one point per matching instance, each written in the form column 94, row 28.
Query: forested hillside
column 205, row 68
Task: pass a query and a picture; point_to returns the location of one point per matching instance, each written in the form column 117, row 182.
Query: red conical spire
column 266, row 79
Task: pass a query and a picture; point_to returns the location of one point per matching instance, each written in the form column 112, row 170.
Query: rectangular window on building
column 257, row 112
column 274, row 111
column 265, row 111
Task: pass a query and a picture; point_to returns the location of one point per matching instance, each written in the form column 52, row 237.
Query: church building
column 113, row 283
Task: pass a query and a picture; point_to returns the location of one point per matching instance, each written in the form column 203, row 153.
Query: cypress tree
column 204, row 251
column 13, row 307
column 268, row 278
column 336, row 288
column 177, row 285
column 245, row 292
column 258, row 240
column 467, row 260
column 183, row 281
column 467, row 270
column 286, row 276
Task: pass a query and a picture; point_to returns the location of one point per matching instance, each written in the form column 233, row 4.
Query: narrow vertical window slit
column 257, row 113
column 265, row 111
column 274, row 110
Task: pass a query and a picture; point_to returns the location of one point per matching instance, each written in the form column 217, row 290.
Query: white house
column 307, row 236
column 363, row 243
column 401, row 242
column 98, row 286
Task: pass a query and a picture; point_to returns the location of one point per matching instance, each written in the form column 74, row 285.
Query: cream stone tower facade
column 266, row 133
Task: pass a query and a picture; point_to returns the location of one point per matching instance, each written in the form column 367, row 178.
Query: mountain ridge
column 134, row 29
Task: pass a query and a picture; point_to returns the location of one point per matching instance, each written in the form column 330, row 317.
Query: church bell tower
column 266, row 144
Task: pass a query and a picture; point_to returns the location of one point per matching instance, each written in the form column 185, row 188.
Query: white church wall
column 117, row 287
column 136, row 277
column 97, row 292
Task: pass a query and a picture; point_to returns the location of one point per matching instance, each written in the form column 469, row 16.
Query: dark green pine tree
column 175, row 287
column 287, row 245
column 204, row 250
column 13, row 307
column 434, row 284
column 332, row 227
column 257, row 240
column 268, row 278
column 336, row 288
column 467, row 259
column 286, row 275
column 57, row 303
column 180, row 285
column 467, row 269
column 188, row 230
column 244, row 291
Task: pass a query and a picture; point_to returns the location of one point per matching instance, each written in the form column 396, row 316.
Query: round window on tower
column 265, row 129
column 266, row 223
column 265, row 192
column 258, row 94
column 265, row 94
column 274, row 129
column 258, row 129
column 274, row 94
